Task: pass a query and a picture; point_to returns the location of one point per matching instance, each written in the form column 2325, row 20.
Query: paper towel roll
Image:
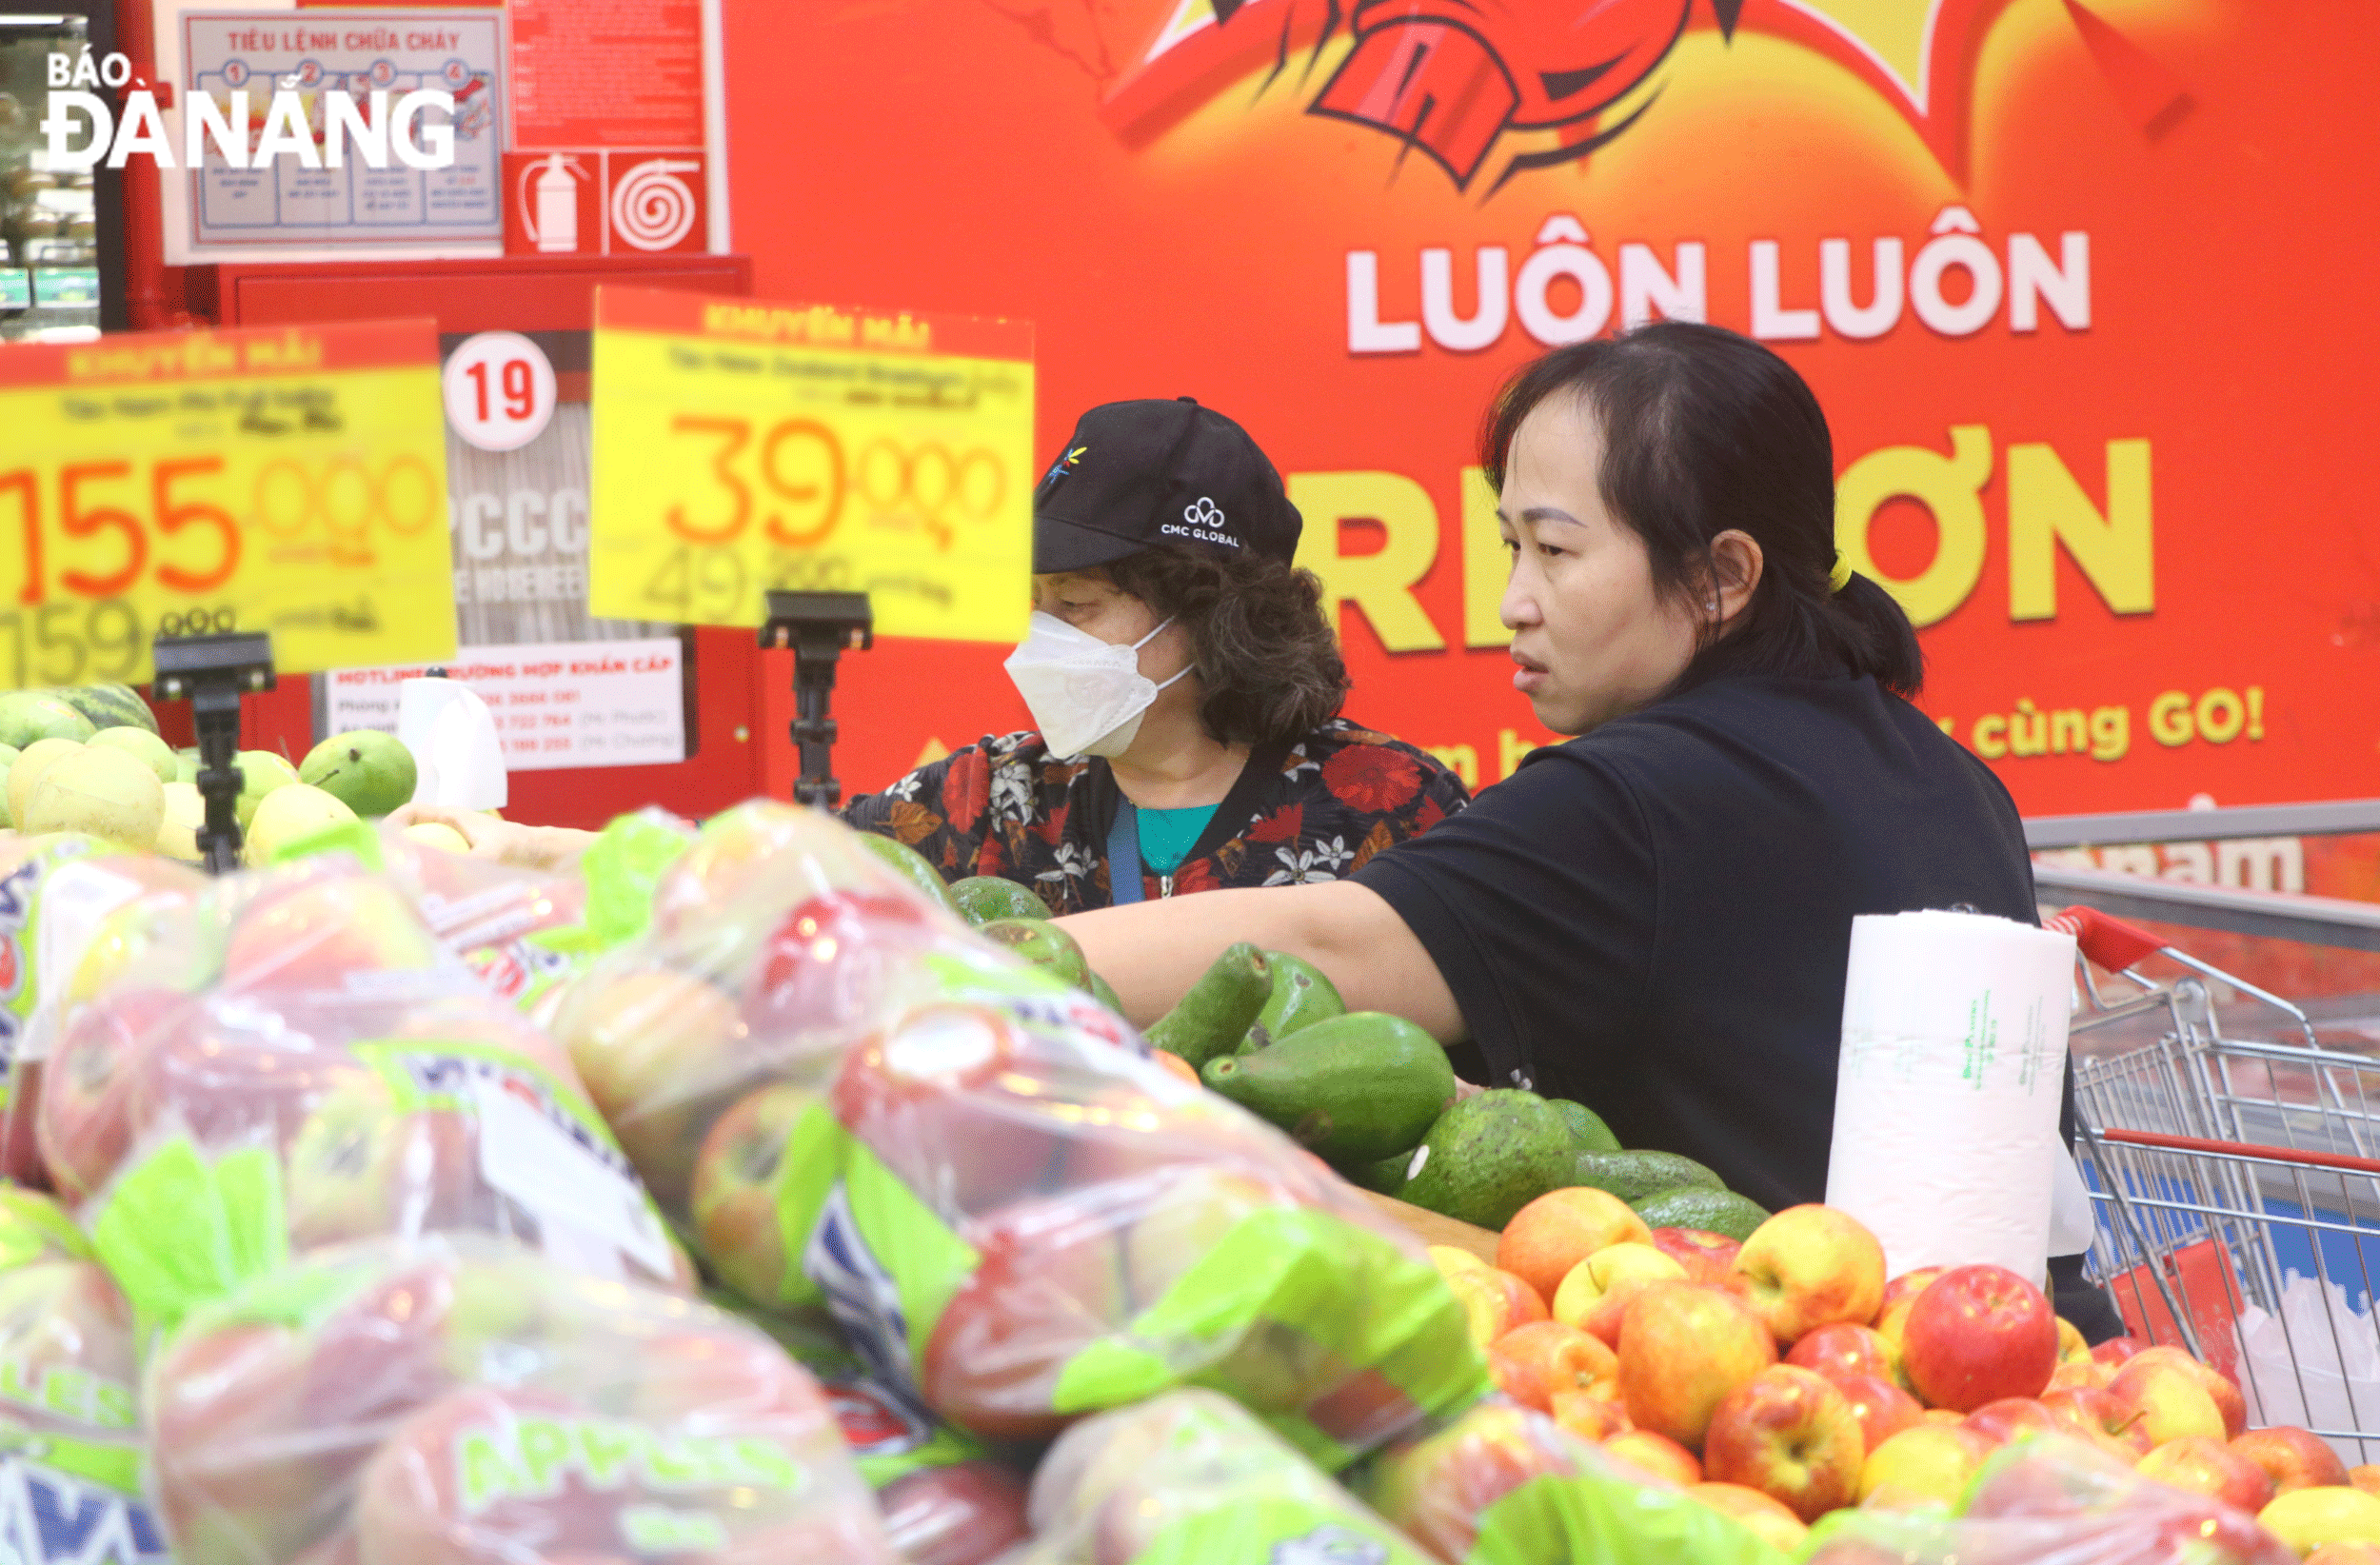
column 1948, row 1087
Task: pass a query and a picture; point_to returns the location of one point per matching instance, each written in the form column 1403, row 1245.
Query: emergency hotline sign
column 741, row 446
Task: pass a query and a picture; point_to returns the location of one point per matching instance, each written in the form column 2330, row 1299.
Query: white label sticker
column 524, row 1155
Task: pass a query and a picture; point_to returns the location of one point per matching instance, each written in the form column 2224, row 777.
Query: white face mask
column 1086, row 696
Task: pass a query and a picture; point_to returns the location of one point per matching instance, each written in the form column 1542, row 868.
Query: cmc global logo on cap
column 1487, row 92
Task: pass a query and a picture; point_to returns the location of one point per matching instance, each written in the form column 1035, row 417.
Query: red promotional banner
column 2083, row 287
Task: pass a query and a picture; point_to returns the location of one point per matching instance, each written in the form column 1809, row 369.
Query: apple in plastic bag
column 657, row 1050
column 825, row 967
column 1433, row 1490
column 1052, row 1280
column 964, row 1513
column 358, row 1168
column 735, row 1189
column 67, row 1361
column 232, row 1478
column 949, row 1099
column 84, row 1119
column 306, row 937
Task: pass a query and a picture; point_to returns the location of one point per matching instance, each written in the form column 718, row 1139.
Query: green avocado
column 1215, row 1014
column 912, row 867
column 1632, row 1176
column 1353, row 1089
column 1699, row 1206
column 1587, row 1128
column 1490, row 1155
column 1301, row 996
column 1044, row 945
column 1098, row 989
column 1386, row 1177
column 979, row 899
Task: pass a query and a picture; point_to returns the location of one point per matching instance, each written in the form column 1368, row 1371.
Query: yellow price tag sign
column 287, row 480
column 741, row 446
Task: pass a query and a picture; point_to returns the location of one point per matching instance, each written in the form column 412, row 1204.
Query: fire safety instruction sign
column 289, row 188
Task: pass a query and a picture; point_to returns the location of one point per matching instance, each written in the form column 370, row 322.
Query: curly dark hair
column 1263, row 649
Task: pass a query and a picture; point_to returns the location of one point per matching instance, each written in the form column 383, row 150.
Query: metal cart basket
column 2236, row 1187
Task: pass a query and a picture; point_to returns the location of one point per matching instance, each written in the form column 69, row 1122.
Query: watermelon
column 109, row 705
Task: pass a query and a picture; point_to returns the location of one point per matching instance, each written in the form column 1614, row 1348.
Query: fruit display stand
column 1068, row 1300
column 1432, row 1229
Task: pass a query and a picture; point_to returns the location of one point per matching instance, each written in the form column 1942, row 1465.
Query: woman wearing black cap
column 1184, row 687
column 1655, row 918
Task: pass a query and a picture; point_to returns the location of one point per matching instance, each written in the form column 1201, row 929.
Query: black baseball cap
column 1138, row 474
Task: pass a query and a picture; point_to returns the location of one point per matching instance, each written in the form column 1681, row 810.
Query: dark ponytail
column 1705, row 430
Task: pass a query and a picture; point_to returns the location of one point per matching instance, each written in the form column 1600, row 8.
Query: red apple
column 1884, row 1409
column 2291, row 1457
column 1851, row 1348
column 1495, row 1303
column 2207, row 1467
column 1683, row 1347
column 1904, row 1289
column 1594, row 1295
column 1655, row 1455
column 1547, row 1240
column 1978, row 1334
column 1051, row 1281
column 657, row 1050
column 1539, row 1362
column 735, row 1190
column 221, row 1403
column 1588, row 1416
column 936, row 1098
column 964, row 1513
column 2079, row 1375
column 826, row 966
column 1706, row 1256
column 1435, row 1489
column 2003, row 1421
column 2099, row 1418
column 84, row 1122
column 2115, row 1350
column 1790, row 1433
column 2166, row 1400
column 2220, row 1388
column 2366, row 1477
column 1773, row 1523
column 1926, row 1466
column 308, row 928
column 1812, row 1266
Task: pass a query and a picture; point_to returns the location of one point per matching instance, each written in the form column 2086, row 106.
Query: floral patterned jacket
column 1316, row 810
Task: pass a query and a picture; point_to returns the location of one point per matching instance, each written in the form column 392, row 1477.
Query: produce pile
column 748, row 1197
column 90, row 760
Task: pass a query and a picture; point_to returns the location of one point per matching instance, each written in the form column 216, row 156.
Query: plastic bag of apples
column 289, row 1059
column 461, row 1401
column 1506, row 1485
column 853, row 1103
column 2047, row 1499
column 55, row 895
column 70, row 1426
column 1191, row 1477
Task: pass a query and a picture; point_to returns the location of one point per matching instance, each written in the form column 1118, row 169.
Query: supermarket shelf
column 2326, row 819
column 2314, row 920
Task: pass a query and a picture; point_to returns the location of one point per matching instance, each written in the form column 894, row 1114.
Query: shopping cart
column 2236, row 1188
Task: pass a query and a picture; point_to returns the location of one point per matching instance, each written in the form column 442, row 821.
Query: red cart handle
column 2107, row 940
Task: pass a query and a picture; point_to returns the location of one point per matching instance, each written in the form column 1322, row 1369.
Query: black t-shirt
column 1655, row 919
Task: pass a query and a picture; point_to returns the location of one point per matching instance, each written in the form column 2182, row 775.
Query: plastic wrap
column 1506, row 1485
column 293, row 1061
column 55, row 898
column 1192, row 1477
column 464, row 1401
column 947, row 1501
column 70, row 1425
column 2047, row 1500
column 854, row 1103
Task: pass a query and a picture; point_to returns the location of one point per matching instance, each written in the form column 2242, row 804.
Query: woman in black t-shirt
column 1655, row 918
